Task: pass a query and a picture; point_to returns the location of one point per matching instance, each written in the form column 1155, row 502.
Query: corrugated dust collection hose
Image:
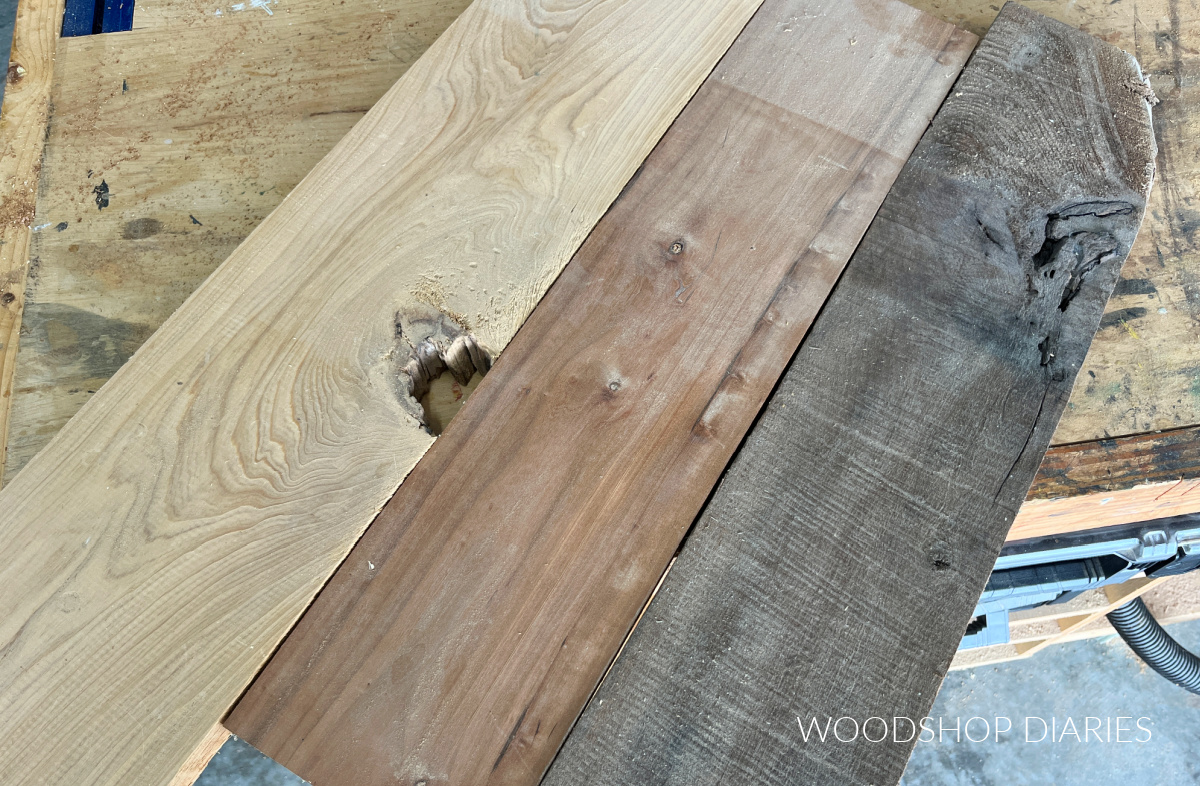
column 1155, row 646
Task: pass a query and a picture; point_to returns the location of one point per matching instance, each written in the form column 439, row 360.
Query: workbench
column 133, row 163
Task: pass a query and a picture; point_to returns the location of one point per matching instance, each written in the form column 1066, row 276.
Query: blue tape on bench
column 87, row 17
column 118, row 16
column 79, row 18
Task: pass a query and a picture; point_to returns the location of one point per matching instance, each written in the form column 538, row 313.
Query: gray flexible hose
column 1155, row 646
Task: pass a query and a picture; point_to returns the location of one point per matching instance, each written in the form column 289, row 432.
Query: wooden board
column 23, row 122
column 93, row 307
column 835, row 568
column 191, row 768
column 1141, row 373
column 1096, row 468
column 192, row 152
column 466, row 630
column 159, row 548
column 1112, row 481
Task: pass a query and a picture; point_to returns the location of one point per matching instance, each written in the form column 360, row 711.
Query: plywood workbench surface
column 167, row 144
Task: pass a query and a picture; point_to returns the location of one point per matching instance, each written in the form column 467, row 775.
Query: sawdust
column 19, row 207
column 430, row 292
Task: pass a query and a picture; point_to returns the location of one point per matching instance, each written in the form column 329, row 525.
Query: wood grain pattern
column 201, row 756
column 1112, row 481
column 1116, row 464
column 839, row 561
column 23, row 118
column 1141, row 373
column 1143, row 502
column 280, row 89
column 162, row 544
column 197, row 130
column 467, row 628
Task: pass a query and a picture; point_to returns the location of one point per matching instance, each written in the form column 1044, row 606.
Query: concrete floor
column 238, row 764
column 1098, row 678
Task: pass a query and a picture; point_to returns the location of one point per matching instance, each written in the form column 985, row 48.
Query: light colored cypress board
column 194, row 765
column 837, row 565
column 463, row 634
column 197, row 129
column 158, row 549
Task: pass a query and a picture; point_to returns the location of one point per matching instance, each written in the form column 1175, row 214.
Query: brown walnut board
column 466, row 630
column 839, row 560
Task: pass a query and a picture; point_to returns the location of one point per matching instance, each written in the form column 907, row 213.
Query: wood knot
column 940, row 556
column 16, row 72
column 463, row 359
column 430, row 342
column 1142, row 89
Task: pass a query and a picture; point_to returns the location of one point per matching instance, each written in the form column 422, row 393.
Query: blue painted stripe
column 87, row 17
column 118, row 16
column 79, row 18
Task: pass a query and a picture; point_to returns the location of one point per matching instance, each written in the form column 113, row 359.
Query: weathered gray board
column 837, row 564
